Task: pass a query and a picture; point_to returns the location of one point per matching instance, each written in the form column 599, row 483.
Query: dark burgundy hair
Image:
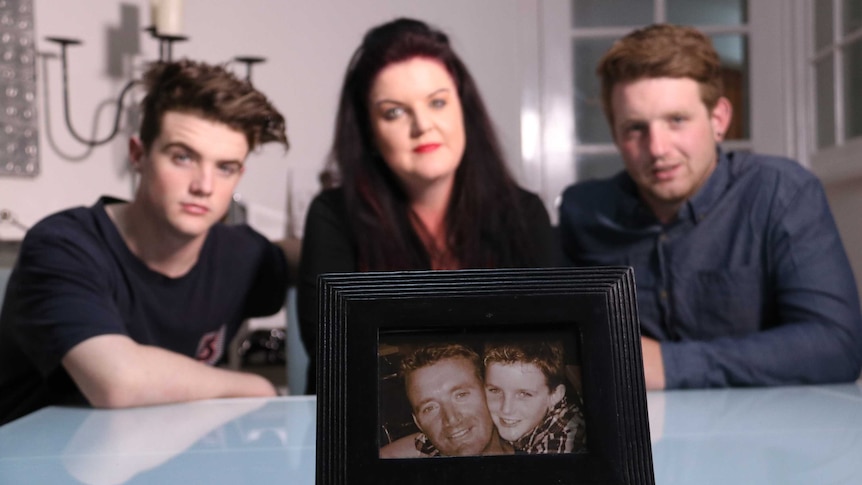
column 485, row 223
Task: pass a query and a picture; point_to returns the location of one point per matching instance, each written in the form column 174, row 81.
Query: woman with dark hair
column 423, row 183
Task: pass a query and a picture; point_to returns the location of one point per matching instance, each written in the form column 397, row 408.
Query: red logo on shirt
column 211, row 346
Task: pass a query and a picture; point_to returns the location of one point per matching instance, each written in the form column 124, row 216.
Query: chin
column 513, row 436
column 191, row 231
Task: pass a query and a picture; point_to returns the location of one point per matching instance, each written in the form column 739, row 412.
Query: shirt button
column 663, row 294
column 662, row 237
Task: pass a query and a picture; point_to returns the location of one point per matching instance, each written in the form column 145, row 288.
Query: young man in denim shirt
column 742, row 279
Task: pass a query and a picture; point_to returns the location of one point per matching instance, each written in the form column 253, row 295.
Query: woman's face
column 418, row 123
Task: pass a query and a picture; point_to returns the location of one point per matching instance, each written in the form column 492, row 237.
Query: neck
column 665, row 212
column 430, row 206
column 161, row 250
column 498, row 446
column 429, row 219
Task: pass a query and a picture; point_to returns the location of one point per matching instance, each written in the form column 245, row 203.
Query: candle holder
column 166, row 43
column 249, row 62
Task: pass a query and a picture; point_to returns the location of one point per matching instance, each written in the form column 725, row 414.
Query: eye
column 180, row 157
column 461, row 395
column 677, row 120
column 438, row 103
column 525, row 395
column 393, row 113
column 230, row 168
column 429, row 409
column 492, row 390
column 634, row 130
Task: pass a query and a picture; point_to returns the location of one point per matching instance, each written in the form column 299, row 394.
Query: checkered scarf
column 562, row 431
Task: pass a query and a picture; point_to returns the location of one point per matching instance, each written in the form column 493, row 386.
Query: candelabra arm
column 64, row 43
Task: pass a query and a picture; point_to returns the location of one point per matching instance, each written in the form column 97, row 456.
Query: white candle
column 169, row 18
column 154, row 12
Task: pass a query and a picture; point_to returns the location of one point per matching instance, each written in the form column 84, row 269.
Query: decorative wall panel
column 19, row 135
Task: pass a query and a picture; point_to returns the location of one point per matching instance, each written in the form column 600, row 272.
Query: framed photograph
column 481, row 376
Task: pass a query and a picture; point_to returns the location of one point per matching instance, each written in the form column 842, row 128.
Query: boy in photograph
column 525, row 387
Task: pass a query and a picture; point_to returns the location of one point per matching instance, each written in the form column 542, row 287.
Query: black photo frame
column 596, row 307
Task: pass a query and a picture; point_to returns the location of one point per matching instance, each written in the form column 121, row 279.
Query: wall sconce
column 166, row 43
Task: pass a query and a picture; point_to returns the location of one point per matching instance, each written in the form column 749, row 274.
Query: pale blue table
column 789, row 435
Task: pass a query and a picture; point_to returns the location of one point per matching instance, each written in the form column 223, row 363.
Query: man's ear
column 416, row 422
column 136, row 153
column 556, row 396
column 720, row 118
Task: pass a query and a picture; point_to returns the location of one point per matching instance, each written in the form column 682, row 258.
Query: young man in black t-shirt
column 128, row 303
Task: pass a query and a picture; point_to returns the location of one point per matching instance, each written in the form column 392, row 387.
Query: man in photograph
column 446, row 393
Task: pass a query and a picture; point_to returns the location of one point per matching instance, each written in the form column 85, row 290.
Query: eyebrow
column 181, row 145
column 459, row 387
column 431, row 95
column 195, row 154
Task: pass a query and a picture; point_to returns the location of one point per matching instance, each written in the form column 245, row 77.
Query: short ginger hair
column 662, row 50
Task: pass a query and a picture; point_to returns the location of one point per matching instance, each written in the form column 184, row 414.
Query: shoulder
column 331, row 199
column 402, row 448
column 770, row 169
column 241, row 244
column 778, row 182
column 328, row 214
column 70, row 221
column 594, row 192
column 70, row 231
column 592, row 197
column 529, row 201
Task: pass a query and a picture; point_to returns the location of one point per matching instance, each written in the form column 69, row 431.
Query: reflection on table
column 224, row 441
column 787, row 435
column 784, row 435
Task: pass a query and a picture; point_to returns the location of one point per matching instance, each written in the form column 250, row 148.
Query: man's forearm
column 792, row 354
column 112, row 371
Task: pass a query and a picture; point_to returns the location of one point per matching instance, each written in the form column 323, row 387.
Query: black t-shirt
column 75, row 278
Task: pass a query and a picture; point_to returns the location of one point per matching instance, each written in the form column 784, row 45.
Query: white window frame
column 774, row 105
column 841, row 161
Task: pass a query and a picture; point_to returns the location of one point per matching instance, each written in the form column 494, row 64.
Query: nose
column 202, row 181
column 420, row 123
column 451, row 415
column 658, row 142
column 505, row 405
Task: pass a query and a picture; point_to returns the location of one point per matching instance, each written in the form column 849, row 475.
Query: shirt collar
column 697, row 208
column 630, row 206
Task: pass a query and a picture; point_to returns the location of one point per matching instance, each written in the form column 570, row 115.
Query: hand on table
column 653, row 365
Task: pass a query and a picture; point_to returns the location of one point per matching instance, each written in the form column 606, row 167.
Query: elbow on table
column 112, row 397
column 838, row 368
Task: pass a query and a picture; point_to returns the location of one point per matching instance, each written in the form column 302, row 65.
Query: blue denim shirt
column 750, row 285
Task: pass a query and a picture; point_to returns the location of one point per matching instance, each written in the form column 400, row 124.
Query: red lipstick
column 426, row 148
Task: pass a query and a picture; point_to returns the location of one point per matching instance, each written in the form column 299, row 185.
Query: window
column 834, row 68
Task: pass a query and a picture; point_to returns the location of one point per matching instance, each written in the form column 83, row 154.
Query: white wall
column 307, row 44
